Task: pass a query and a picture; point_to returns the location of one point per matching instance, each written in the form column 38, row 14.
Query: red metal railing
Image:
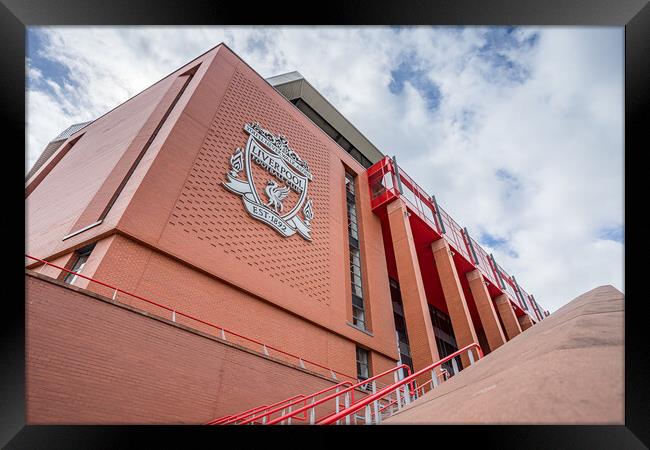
column 224, row 333
column 509, row 284
column 388, row 181
column 263, row 414
column 484, row 263
column 420, row 201
column 525, row 299
column 365, row 403
column 533, row 303
column 371, row 380
column 266, row 415
column 454, row 235
column 415, row 197
column 382, row 182
column 226, row 420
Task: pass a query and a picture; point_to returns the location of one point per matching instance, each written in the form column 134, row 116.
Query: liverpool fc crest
column 279, row 199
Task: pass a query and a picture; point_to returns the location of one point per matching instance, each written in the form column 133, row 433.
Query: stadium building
column 222, row 241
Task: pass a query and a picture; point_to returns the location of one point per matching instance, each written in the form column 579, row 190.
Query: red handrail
column 252, row 411
column 454, row 233
column 219, row 420
column 180, row 313
column 315, row 394
column 331, row 396
column 371, row 398
column 443, row 372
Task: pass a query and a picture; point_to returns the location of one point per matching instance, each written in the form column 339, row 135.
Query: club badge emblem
column 278, row 199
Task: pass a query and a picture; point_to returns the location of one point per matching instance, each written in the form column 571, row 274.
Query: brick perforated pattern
column 205, row 210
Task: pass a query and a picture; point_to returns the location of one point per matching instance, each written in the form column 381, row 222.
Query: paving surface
column 568, row 369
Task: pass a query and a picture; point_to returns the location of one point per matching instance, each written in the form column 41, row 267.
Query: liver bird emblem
column 276, row 194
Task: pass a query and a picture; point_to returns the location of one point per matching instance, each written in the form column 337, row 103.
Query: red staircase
column 336, row 404
column 373, row 403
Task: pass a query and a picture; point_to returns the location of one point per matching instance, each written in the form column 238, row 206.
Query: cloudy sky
column 517, row 131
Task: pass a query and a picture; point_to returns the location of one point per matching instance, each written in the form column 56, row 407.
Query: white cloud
column 557, row 135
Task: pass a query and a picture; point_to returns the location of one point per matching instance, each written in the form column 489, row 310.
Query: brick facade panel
column 89, row 361
column 166, row 281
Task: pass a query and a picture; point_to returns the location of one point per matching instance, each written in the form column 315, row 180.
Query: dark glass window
column 400, row 324
column 445, row 339
column 363, row 365
column 358, row 309
column 79, row 263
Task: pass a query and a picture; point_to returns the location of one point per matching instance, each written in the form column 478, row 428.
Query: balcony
column 388, row 182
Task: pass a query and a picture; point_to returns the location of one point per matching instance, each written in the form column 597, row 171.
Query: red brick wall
column 182, row 209
column 61, row 198
column 186, row 241
column 67, row 186
column 90, row 361
column 155, row 276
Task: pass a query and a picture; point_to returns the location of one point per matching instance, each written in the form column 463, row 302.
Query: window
column 444, row 334
column 80, row 261
column 358, row 309
column 363, row 367
column 442, row 324
column 400, row 324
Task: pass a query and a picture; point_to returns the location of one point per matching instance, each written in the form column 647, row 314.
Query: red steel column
column 422, row 341
column 486, row 311
column 525, row 322
column 510, row 323
column 461, row 320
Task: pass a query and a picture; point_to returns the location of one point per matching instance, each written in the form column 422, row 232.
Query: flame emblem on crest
column 236, row 163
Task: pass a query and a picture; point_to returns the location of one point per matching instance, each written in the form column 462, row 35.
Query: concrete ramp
column 568, row 369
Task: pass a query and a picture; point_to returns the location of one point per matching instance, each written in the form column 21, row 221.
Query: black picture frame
column 634, row 15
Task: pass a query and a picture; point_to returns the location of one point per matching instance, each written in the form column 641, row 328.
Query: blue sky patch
column 499, row 42
column 616, row 234
column 257, row 43
column 513, row 183
column 497, row 243
column 408, row 72
column 51, row 70
column 465, row 119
